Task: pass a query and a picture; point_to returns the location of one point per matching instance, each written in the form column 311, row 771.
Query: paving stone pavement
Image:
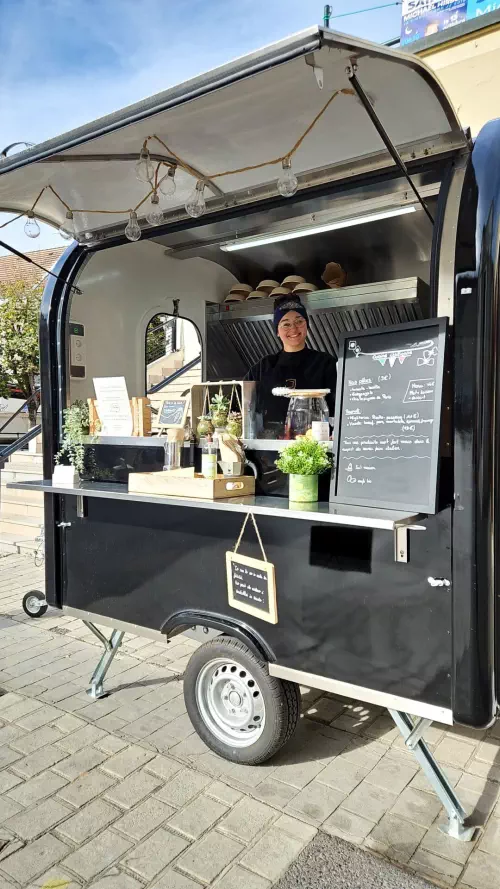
column 122, row 794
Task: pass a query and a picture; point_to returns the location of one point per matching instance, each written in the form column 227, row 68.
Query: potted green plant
column 219, row 409
column 234, row 424
column 303, row 461
column 70, row 458
column 205, row 426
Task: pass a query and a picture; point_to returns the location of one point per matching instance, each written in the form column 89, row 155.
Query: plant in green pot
column 219, row 409
column 303, row 461
column 70, row 459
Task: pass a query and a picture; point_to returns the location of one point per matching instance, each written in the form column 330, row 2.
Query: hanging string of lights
column 149, row 172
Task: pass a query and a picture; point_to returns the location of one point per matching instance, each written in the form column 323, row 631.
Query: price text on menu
column 388, row 419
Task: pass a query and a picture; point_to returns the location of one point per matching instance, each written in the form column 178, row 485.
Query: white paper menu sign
column 113, row 406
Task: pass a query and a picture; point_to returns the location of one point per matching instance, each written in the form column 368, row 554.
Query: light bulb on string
column 144, row 169
column 31, row 228
column 195, row 205
column 67, row 229
column 287, row 183
column 154, row 213
column 167, row 184
column 133, row 229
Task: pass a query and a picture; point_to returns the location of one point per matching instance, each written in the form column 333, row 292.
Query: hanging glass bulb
column 144, row 169
column 167, row 184
column 31, row 228
column 133, row 229
column 287, row 183
column 154, row 214
column 67, row 229
column 195, row 205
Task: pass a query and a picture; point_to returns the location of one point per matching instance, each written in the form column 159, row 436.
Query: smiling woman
column 295, row 367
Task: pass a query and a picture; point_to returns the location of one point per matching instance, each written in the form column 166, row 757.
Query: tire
column 34, row 604
column 237, row 709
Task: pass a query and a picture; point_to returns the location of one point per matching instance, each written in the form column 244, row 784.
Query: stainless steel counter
column 336, row 514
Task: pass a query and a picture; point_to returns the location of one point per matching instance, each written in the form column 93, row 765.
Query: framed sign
column 388, row 416
column 173, row 413
column 251, row 586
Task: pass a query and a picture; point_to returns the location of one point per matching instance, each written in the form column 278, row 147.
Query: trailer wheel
column 34, row 604
column 237, row 709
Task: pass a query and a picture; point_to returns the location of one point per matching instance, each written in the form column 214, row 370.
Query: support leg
column 111, row 646
column 412, row 733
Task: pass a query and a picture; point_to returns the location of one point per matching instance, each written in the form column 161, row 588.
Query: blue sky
column 65, row 62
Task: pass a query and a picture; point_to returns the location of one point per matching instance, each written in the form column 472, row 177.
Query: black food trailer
column 386, row 589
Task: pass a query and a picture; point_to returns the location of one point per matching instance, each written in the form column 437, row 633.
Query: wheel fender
column 229, row 626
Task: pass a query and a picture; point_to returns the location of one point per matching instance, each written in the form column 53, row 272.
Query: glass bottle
column 209, row 458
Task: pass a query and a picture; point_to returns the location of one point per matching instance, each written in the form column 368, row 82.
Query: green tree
column 19, row 348
column 155, row 338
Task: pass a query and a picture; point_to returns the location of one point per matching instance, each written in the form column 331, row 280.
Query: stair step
column 13, row 543
column 22, row 526
column 14, row 506
column 10, row 495
column 16, row 473
column 26, row 457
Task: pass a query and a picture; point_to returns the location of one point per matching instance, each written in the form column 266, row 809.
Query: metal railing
column 175, row 376
column 23, row 439
column 166, row 334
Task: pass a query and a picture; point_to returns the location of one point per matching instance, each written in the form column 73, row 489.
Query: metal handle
column 64, row 524
column 438, row 581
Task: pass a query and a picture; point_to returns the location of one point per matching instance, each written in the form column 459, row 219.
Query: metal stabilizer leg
column 111, row 646
column 412, row 733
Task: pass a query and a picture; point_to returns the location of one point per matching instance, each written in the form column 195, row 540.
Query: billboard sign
column 422, row 18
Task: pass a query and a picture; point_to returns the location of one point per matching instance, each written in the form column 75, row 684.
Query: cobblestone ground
column 121, row 794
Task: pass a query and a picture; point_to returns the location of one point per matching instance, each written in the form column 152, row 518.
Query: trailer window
column 173, row 357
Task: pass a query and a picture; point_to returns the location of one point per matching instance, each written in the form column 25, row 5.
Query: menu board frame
column 428, row 504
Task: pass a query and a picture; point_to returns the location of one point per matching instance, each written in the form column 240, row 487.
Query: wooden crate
column 244, row 395
column 176, row 483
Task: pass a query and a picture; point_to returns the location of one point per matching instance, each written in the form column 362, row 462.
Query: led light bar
column 261, row 240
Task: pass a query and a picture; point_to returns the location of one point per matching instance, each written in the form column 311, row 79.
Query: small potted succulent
column 70, row 459
column 234, row 424
column 205, row 426
column 219, row 409
column 303, row 461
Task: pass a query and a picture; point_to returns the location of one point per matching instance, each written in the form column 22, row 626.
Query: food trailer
column 386, row 589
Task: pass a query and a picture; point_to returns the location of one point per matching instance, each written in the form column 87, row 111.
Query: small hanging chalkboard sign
column 173, row 413
column 251, row 582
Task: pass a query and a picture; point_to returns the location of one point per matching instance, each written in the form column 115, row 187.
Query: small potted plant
column 219, row 409
column 70, row 458
column 234, row 424
column 303, row 461
column 205, row 426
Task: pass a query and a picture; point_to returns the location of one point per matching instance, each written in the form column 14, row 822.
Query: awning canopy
column 238, row 116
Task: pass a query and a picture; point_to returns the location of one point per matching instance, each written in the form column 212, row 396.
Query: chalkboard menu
column 388, row 416
column 173, row 412
column 251, row 586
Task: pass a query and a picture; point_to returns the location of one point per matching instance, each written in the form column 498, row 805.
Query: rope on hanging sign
column 259, row 538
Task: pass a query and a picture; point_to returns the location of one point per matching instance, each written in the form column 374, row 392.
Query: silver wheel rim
column 230, row 702
column 33, row 603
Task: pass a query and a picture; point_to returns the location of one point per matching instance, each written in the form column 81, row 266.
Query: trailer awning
column 243, row 114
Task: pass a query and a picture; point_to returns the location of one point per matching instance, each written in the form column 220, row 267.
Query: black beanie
column 284, row 304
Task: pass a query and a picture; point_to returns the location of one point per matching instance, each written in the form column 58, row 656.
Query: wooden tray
column 175, row 485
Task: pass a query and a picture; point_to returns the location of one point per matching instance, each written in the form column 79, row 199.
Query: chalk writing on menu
column 172, row 412
column 390, row 416
column 250, row 585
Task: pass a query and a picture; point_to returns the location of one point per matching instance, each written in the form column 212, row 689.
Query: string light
column 195, row 205
column 167, row 184
column 31, row 229
column 67, row 229
column 133, row 229
column 287, row 183
column 144, row 169
column 155, row 214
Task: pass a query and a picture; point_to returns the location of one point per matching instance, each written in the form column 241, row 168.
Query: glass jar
column 307, row 415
